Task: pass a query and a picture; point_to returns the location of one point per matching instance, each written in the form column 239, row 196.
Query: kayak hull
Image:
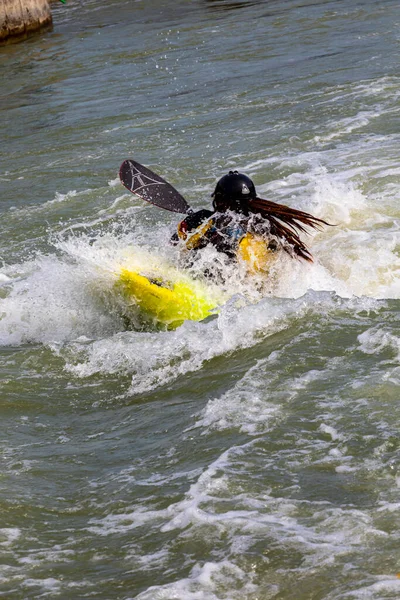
column 165, row 302
column 163, row 296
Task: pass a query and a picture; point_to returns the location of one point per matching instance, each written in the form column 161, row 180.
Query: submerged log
column 21, row 18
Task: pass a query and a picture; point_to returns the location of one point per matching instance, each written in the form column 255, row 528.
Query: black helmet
column 232, row 192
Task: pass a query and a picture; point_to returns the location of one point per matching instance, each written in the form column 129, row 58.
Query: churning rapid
column 253, row 455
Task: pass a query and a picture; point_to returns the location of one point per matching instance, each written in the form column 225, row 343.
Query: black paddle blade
column 151, row 187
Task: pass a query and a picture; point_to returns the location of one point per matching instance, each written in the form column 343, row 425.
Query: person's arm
column 198, row 220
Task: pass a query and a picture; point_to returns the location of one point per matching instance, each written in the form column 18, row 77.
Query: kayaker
column 241, row 218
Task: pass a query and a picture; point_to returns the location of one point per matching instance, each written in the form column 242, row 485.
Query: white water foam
column 386, row 586
column 377, row 340
column 244, row 407
column 9, row 535
column 216, row 507
column 60, row 299
column 65, row 299
column 207, row 581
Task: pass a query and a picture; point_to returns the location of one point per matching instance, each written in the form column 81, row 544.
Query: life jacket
column 230, row 236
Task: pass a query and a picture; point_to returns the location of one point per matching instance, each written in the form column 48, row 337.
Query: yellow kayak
column 168, row 302
column 167, row 297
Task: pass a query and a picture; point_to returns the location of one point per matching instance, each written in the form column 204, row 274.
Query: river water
column 251, row 456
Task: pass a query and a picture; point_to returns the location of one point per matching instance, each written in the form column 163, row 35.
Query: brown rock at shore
column 21, row 18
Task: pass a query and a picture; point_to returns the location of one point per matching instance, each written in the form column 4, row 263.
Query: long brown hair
column 286, row 223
